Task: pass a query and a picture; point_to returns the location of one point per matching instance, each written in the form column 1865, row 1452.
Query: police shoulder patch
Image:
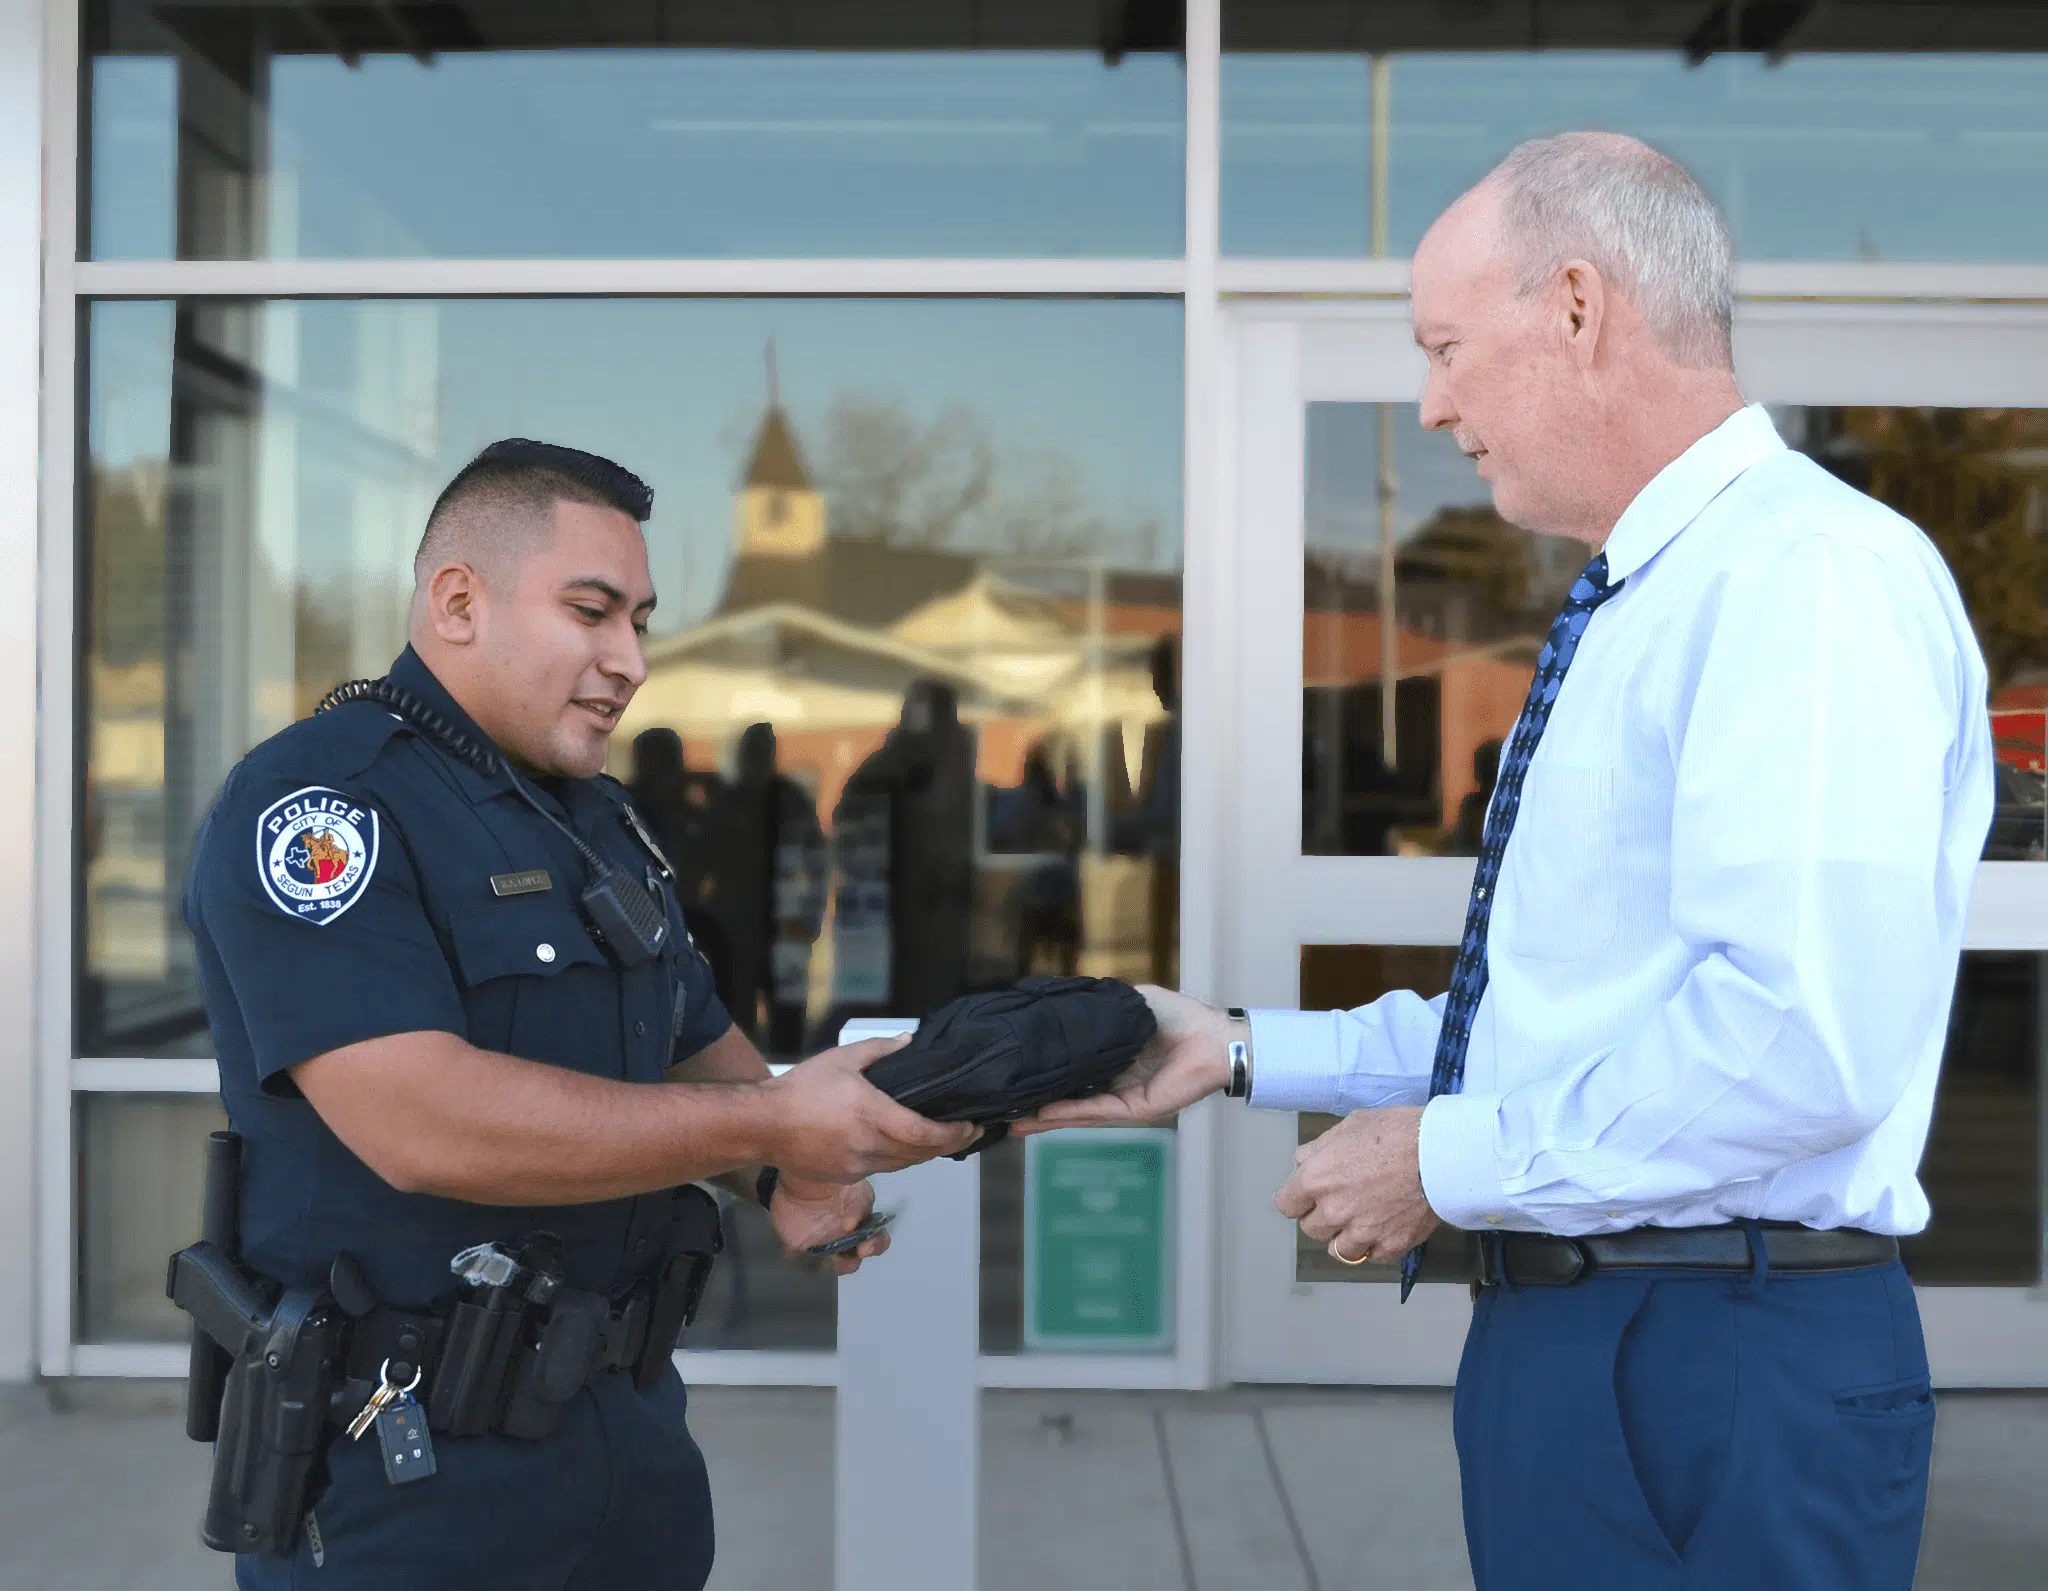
column 315, row 852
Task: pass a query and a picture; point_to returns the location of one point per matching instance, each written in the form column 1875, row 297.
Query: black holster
column 264, row 1361
column 271, row 1422
column 695, row 1237
column 514, row 1356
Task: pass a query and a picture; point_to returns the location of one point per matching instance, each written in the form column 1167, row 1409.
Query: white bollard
column 907, row 1420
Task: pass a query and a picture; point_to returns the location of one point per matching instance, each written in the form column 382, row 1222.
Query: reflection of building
column 823, row 636
column 779, row 513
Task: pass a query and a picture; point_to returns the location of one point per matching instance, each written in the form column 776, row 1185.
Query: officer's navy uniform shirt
column 1732, row 903
column 341, row 891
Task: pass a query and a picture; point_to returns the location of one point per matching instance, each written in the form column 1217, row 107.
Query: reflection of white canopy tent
column 1007, row 651
column 1123, row 695
column 1020, row 641
column 710, row 701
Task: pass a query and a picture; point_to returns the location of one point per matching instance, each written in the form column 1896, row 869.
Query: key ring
column 384, row 1375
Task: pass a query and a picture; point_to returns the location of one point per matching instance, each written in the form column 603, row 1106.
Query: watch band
column 764, row 1186
column 1239, row 1053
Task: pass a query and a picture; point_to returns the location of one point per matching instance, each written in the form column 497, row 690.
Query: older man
column 1682, row 1077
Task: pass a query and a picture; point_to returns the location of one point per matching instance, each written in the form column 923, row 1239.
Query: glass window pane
column 141, row 1164
column 910, row 725
column 1982, row 1168
column 1821, row 155
column 1336, row 978
column 1425, row 609
column 610, row 130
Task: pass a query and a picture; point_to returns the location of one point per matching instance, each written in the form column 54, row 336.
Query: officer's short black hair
column 511, row 488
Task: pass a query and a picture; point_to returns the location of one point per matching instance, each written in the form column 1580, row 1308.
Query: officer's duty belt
column 399, row 1338
column 1529, row 1259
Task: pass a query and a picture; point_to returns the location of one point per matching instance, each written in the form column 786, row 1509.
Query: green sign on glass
column 1098, row 1240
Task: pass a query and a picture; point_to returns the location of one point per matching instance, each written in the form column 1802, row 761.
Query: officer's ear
column 453, row 597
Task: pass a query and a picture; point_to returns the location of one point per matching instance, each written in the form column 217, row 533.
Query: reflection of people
column 903, row 842
column 433, row 1049
column 1685, row 1069
column 772, row 895
column 1038, row 818
column 1152, row 827
column 1466, row 834
column 684, row 811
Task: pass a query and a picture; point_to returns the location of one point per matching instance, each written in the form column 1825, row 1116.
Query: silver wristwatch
column 1239, row 1053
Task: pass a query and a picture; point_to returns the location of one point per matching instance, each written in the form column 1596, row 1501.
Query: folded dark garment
column 990, row 1058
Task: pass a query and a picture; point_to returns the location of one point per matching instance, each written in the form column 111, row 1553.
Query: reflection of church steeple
column 778, row 513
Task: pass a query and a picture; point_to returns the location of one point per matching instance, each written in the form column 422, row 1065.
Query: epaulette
column 337, row 744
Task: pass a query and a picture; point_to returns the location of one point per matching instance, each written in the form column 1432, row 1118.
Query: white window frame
column 1285, row 355
column 70, row 283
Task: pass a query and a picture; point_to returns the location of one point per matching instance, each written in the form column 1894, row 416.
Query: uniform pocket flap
column 520, row 938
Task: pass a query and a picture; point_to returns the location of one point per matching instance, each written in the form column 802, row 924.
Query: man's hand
column 1183, row 1063
column 827, row 1123
column 806, row 1214
column 1359, row 1186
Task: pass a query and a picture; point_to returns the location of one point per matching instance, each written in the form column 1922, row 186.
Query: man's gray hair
column 1636, row 216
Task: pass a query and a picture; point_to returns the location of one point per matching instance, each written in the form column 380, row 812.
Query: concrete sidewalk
column 1276, row 1489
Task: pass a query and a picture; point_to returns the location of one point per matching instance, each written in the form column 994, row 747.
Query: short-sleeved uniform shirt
column 342, row 890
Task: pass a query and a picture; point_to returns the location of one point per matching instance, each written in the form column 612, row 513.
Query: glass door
column 1388, row 622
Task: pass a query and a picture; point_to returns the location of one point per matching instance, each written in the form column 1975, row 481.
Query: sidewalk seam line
column 1180, row 1524
column 1308, row 1564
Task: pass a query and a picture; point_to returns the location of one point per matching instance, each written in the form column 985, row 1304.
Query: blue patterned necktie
column 1468, row 980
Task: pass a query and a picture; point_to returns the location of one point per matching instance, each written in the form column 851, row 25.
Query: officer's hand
column 809, row 1213
column 1184, row 1062
column 830, row 1124
column 1358, row 1187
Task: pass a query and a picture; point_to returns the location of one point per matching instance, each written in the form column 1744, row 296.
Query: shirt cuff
column 1295, row 1061
column 1460, row 1173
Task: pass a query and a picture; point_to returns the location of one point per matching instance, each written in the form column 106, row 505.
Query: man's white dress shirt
column 1732, row 904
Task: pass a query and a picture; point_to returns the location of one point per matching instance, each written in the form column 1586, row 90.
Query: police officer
column 434, row 1034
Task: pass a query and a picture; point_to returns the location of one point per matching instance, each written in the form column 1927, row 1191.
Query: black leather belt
column 1529, row 1259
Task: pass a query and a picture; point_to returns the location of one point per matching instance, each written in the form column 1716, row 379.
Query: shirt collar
column 1681, row 489
column 569, row 796
column 411, row 672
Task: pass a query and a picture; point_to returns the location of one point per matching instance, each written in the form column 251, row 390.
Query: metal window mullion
column 1204, row 632
column 48, row 913
column 2008, row 907
column 437, row 278
column 1766, row 281
column 143, row 1075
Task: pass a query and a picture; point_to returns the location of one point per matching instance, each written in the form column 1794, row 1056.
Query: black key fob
column 408, row 1450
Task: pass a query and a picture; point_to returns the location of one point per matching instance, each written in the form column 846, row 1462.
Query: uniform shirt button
column 639, row 1030
column 545, row 952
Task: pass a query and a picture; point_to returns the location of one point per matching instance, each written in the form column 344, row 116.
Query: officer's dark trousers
column 616, row 1497
column 1665, row 1430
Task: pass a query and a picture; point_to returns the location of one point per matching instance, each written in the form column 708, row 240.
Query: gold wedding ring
column 1361, row 1260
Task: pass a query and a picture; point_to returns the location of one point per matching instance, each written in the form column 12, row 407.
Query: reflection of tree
column 1472, row 546
column 126, row 520
column 1976, row 480
column 943, row 483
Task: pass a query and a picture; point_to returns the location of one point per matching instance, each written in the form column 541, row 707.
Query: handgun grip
column 220, row 1297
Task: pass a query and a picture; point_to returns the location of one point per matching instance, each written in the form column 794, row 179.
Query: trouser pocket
column 1675, row 1387
column 1887, row 1435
